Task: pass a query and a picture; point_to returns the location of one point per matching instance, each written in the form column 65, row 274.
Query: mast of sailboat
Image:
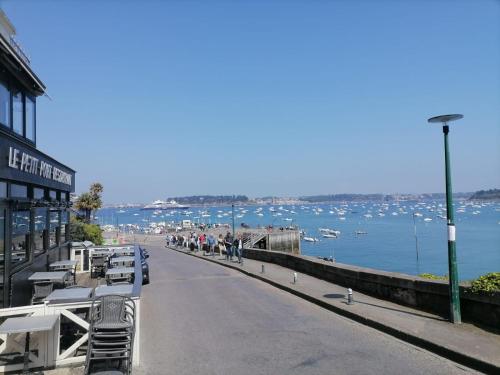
column 415, row 232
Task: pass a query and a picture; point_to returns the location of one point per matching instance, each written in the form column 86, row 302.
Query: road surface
column 201, row 318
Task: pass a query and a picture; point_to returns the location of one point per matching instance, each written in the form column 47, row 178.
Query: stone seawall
column 428, row 295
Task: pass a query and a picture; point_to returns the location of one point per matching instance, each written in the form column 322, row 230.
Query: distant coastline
column 486, row 195
column 221, row 200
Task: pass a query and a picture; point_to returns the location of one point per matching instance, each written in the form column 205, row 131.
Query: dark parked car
column 145, row 266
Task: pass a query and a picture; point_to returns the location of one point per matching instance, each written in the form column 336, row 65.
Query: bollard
column 350, row 300
column 263, row 270
column 295, row 277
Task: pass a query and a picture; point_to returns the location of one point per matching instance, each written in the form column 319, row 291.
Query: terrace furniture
column 28, row 324
column 119, row 274
column 68, row 294
column 119, row 288
column 111, row 335
column 124, row 252
column 124, row 261
column 65, row 265
column 55, row 277
column 98, row 265
column 41, row 289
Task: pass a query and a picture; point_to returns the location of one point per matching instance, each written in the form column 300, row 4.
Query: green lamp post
column 232, row 214
column 455, row 316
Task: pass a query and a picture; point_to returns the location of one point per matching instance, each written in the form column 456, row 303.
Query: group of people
column 209, row 244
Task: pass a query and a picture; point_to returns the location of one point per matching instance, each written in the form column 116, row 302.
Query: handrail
column 136, row 289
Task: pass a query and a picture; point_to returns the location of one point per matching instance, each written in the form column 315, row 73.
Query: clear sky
column 168, row 98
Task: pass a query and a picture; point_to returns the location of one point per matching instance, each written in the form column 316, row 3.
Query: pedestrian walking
column 220, row 242
column 238, row 248
column 228, row 243
column 192, row 244
column 211, row 244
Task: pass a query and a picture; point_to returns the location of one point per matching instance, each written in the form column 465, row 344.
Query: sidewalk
column 465, row 343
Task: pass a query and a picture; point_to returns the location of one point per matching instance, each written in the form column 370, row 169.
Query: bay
column 388, row 243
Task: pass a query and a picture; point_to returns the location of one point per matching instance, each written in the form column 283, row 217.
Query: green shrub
column 85, row 232
column 433, row 277
column 487, row 283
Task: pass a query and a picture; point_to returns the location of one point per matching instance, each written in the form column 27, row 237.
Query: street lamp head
column 444, row 119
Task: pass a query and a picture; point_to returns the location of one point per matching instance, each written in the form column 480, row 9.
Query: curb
column 453, row 355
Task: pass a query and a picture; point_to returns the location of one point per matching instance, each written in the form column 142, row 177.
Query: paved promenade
column 200, row 317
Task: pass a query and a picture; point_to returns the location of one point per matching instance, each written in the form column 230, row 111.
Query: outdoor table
column 64, row 264
column 28, row 324
column 119, row 272
column 123, row 290
column 69, row 294
column 123, row 261
column 101, row 253
column 57, row 276
column 124, row 251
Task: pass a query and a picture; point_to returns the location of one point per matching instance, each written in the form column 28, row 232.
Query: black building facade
column 34, row 188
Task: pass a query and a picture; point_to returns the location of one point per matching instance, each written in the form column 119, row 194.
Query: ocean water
column 389, row 243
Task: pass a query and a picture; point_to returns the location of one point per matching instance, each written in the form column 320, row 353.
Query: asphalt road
column 202, row 318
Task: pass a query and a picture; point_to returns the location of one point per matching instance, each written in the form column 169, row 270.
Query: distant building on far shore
column 34, row 188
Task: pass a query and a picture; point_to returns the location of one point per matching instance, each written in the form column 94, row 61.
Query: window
column 2, row 254
column 4, row 105
column 64, row 222
column 38, row 193
column 30, row 119
column 53, row 195
column 17, row 112
column 54, row 224
column 18, row 191
column 3, row 189
column 20, row 237
column 40, row 226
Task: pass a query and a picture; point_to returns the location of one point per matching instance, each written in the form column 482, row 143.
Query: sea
column 407, row 236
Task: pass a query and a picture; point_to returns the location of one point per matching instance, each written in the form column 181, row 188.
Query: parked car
column 145, row 266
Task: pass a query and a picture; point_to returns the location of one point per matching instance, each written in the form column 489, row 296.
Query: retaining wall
column 428, row 295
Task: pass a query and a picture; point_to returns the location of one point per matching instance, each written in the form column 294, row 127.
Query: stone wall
column 428, row 295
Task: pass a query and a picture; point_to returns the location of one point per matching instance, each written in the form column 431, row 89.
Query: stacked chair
column 111, row 336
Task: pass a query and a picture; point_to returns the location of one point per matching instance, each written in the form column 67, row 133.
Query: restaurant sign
column 28, row 165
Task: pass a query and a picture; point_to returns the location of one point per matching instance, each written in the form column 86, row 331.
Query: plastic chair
column 41, row 289
column 99, row 264
column 111, row 335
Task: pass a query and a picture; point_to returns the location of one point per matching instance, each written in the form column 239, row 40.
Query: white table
column 123, row 290
column 119, row 272
column 124, row 251
column 69, row 294
column 28, row 324
column 124, row 261
column 64, row 264
column 100, row 253
column 57, row 276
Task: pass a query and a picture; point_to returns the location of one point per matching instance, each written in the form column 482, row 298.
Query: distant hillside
column 486, row 195
column 343, row 198
column 377, row 197
column 210, row 199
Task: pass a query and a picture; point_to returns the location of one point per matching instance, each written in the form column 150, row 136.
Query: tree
column 86, row 232
column 88, row 202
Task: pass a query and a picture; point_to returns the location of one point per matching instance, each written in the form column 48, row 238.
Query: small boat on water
column 427, row 219
column 361, row 232
column 329, row 235
column 310, row 239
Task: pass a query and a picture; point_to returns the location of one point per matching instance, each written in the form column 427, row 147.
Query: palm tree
column 88, row 202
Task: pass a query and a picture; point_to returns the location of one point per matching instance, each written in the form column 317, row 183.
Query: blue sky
column 168, row 98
